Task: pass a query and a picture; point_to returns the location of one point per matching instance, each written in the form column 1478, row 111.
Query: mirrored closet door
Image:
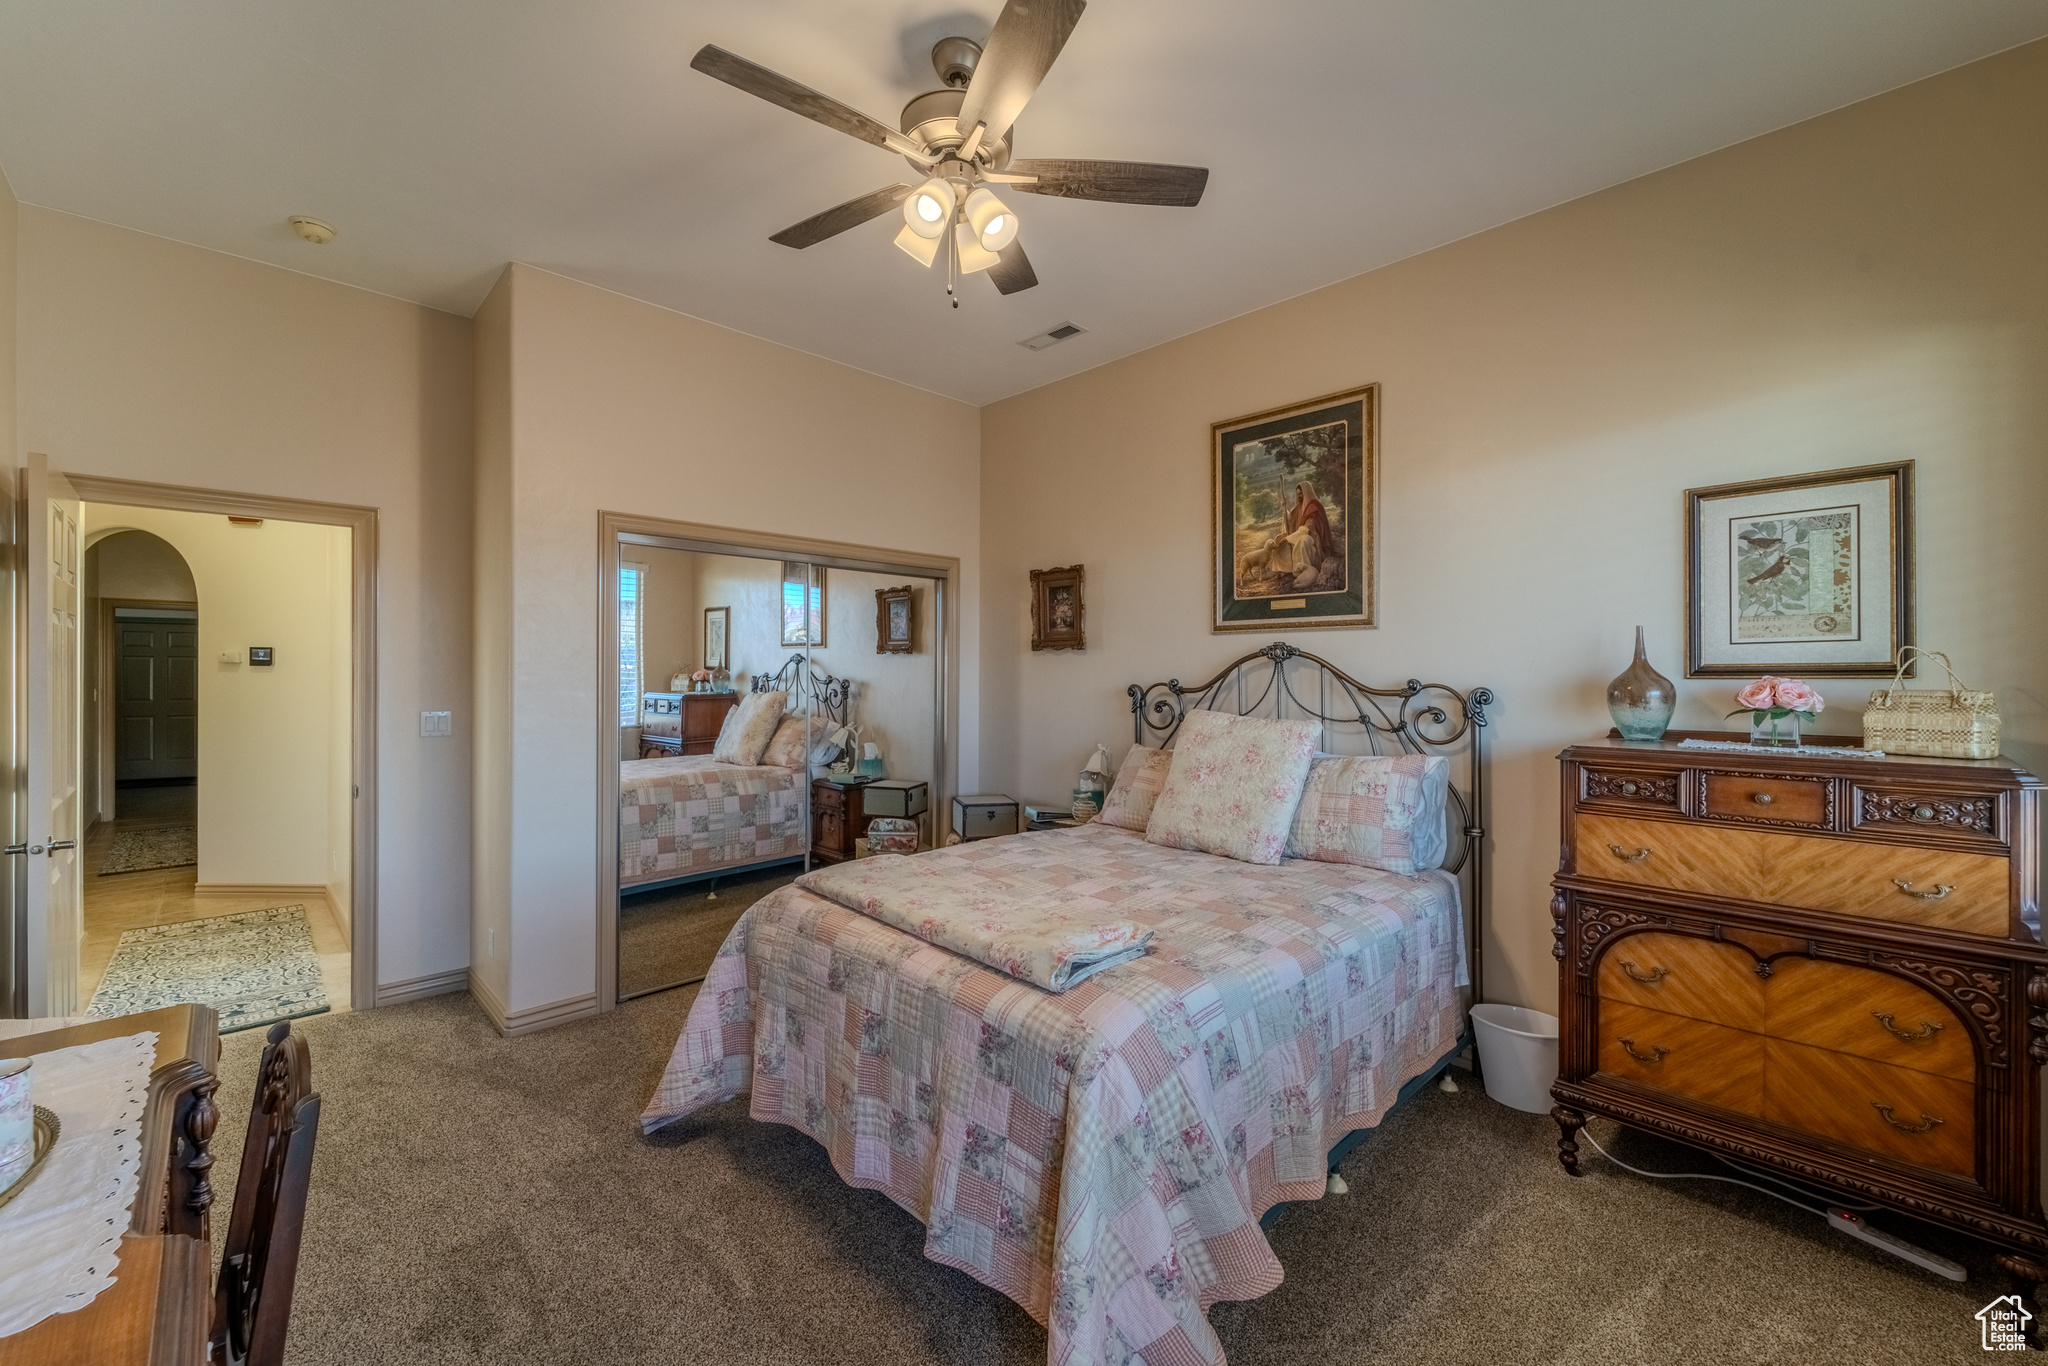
column 771, row 710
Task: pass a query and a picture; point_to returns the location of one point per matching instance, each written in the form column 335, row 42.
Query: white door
column 53, row 911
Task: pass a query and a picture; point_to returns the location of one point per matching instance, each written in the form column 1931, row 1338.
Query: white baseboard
column 419, row 988
column 343, row 916
column 494, row 1009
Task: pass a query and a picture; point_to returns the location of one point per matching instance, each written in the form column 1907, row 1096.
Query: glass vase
column 1640, row 699
column 1779, row 729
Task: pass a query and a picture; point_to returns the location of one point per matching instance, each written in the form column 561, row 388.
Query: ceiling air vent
column 1057, row 335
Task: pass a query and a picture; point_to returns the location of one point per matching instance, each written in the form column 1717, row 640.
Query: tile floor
column 164, row 896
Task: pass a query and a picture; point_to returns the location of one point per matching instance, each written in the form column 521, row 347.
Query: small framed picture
column 1808, row 575
column 1057, row 609
column 803, row 604
column 717, row 631
column 896, row 620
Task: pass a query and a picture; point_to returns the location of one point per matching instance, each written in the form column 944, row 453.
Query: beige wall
column 619, row 405
column 1869, row 286
column 146, row 359
column 269, row 785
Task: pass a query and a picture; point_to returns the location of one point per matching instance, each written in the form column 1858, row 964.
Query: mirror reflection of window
column 801, row 627
column 632, row 593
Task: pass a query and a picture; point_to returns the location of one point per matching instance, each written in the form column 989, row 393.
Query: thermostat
column 259, row 656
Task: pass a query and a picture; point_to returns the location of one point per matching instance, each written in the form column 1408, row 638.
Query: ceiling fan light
column 973, row 255
column 929, row 208
column 995, row 227
column 923, row 250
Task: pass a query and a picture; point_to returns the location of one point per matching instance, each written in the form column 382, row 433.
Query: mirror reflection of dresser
column 682, row 722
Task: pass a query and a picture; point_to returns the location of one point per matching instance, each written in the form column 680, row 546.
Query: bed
column 686, row 818
column 1104, row 1156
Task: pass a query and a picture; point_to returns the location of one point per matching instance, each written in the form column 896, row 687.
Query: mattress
column 1101, row 1156
column 679, row 816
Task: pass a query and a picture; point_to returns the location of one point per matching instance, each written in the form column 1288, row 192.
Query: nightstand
column 837, row 819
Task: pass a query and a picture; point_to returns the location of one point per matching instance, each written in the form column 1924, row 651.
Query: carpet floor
column 671, row 936
column 478, row 1199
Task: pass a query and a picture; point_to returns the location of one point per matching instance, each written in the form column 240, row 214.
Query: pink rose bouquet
column 1773, row 699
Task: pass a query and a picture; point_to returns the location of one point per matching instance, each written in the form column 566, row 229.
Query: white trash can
column 1517, row 1055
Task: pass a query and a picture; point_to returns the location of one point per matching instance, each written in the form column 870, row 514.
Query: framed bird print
column 1294, row 514
column 1811, row 574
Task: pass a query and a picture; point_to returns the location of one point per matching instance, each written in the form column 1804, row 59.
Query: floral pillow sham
column 1136, row 789
column 749, row 728
column 1379, row 811
column 1233, row 786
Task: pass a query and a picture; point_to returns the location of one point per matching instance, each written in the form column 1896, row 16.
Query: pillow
column 1381, row 811
column 790, row 748
column 1233, row 786
column 1138, row 780
column 749, row 728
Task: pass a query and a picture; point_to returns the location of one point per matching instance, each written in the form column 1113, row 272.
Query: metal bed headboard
column 806, row 685
column 1417, row 718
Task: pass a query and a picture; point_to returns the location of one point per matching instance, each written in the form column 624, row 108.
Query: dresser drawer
column 1694, row 1058
column 1680, row 975
column 826, row 797
column 1964, row 816
column 1768, row 800
column 1626, row 788
column 1871, row 1014
column 1950, row 889
column 1918, row 1118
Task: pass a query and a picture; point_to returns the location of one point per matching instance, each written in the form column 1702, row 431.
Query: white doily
column 1825, row 751
column 60, row 1237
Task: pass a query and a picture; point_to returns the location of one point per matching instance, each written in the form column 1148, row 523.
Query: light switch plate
column 435, row 723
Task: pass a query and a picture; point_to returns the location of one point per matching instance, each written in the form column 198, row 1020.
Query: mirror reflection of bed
column 738, row 673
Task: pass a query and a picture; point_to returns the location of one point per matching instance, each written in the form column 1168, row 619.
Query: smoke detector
column 312, row 229
column 1052, row 338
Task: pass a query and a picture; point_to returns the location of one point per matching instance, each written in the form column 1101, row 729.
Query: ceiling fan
column 958, row 137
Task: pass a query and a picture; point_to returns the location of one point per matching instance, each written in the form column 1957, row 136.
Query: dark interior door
column 156, row 699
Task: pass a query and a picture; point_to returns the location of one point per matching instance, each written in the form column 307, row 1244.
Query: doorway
column 217, row 715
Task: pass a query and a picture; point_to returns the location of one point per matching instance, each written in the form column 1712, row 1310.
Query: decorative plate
column 47, row 1129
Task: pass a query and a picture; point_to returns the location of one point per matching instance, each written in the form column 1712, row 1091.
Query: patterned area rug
column 172, row 846
column 255, row 968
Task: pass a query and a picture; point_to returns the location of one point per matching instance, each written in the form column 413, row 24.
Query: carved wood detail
column 2037, row 1023
column 200, row 1120
column 1633, row 787
column 1829, row 812
column 1976, row 814
column 1558, row 902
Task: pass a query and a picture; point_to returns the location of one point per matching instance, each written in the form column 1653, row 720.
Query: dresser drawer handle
column 1927, row 1030
column 1655, row 1055
column 1648, row 979
column 1626, row 857
column 1760, row 798
column 1941, row 889
column 1926, row 1123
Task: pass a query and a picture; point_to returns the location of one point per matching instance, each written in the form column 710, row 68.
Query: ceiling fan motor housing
column 928, row 121
column 955, row 59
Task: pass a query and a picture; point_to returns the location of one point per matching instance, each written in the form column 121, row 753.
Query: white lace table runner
column 60, row 1237
column 1824, row 751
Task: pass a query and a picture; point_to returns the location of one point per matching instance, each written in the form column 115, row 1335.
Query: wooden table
column 160, row 1305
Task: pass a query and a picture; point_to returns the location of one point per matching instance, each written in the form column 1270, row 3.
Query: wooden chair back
column 253, row 1299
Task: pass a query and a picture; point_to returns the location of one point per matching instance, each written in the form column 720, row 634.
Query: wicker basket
column 1946, row 723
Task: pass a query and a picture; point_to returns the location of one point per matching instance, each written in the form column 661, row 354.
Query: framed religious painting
column 1294, row 510
column 1808, row 575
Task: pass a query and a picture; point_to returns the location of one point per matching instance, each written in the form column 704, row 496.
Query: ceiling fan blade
column 1027, row 37
column 840, row 217
column 1117, row 182
column 1012, row 271
column 776, row 88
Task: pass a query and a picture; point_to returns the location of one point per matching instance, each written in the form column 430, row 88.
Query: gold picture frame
column 1058, row 609
column 896, row 620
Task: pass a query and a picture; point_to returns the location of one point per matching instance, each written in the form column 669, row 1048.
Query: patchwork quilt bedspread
column 688, row 815
column 1101, row 1156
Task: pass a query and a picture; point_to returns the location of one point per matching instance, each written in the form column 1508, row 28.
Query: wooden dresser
column 682, row 722
column 1828, row 966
